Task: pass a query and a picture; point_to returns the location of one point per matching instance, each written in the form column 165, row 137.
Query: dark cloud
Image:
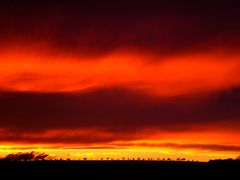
column 117, row 110
column 97, row 28
column 94, row 136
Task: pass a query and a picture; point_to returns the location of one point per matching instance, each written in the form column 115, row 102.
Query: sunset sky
column 115, row 79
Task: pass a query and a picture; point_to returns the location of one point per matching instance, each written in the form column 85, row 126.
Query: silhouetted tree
column 41, row 156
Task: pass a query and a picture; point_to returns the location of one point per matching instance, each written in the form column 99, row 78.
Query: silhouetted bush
column 26, row 156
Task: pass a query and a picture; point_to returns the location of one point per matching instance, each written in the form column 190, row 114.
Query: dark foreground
column 118, row 169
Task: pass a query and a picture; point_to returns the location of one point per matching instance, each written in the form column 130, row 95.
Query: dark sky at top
column 99, row 27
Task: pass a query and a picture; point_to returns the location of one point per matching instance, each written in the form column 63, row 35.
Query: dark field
column 118, row 169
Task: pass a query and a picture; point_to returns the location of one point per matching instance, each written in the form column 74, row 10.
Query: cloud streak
column 173, row 76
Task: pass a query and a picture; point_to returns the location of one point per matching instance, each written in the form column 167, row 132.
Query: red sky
column 115, row 79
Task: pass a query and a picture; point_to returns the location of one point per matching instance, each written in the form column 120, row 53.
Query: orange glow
column 160, row 76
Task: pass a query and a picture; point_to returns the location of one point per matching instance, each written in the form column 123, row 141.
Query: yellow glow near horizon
column 118, row 154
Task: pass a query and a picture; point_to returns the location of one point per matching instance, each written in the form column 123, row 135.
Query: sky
column 115, row 79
